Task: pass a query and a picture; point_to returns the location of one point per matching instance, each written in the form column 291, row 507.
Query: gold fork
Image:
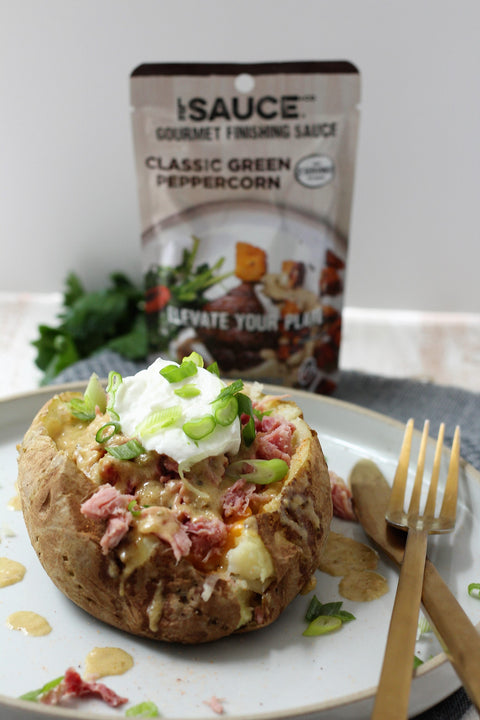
column 391, row 702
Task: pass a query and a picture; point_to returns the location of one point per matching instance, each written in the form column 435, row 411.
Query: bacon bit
column 72, row 685
column 215, row 704
column 341, row 498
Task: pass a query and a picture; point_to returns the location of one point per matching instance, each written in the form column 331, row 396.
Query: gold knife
column 459, row 636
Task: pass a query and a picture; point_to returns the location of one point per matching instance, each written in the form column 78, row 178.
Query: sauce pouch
column 245, row 179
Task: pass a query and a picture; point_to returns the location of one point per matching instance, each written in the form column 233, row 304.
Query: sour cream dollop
column 138, row 396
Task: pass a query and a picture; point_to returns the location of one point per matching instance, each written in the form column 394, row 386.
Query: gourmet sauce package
column 245, row 179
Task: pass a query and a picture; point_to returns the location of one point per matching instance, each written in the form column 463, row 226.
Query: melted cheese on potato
column 250, row 561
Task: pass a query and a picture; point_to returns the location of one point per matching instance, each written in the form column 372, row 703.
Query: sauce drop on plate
column 11, row 572
column 29, row 623
column 102, row 661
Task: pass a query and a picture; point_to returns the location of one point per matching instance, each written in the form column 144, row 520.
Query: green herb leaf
column 126, row 451
column 91, row 321
column 230, row 390
column 316, row 609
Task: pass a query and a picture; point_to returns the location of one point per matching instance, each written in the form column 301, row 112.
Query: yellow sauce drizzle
column 11, row 572
column 102, row 661
column 29, row 623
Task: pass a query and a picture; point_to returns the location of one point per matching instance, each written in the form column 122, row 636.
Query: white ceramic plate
column 275, row 673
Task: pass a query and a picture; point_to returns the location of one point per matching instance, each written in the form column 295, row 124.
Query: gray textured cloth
column 397, row 398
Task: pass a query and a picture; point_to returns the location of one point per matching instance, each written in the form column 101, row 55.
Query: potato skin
column 162, row 598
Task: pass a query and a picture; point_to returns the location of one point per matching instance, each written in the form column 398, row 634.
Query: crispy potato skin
column 293, row 528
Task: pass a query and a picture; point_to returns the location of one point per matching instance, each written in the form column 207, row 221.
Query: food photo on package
column 245, row 179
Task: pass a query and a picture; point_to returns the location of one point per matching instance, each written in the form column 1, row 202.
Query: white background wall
column 67, row 185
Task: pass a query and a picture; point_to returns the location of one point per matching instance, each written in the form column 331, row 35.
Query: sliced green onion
column 332, row 609
column 107, row 431
column 157, row 420
column 113, row 383
column 146, row 709
column 200, row 427
column 134, row 508
column 33, row 695
column 214, row 369
column 225, row 410
column 82, row 409
column 260, row 472
column 423, row 627
column 175, row 373
column 126, row 451
column 474, row 590
column 187, row 391
column 95, row 394
column 195, row 358
column 245, row 407
column 322, row 625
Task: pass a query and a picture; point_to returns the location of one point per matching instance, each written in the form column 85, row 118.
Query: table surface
column 442, row 348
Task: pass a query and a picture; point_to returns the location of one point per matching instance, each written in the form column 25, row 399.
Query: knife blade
column 459, row 637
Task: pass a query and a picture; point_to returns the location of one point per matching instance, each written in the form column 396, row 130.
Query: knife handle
column 461, row 639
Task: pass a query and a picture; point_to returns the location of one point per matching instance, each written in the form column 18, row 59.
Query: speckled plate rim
column 356, row 705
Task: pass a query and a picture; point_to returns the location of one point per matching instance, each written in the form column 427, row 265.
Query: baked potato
column 182, row 550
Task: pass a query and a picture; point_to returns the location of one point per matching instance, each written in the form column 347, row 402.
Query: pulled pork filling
column 198, row 513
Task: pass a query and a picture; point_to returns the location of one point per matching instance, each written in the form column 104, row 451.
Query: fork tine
column 394, row 512
column 414, row 506
column 429, row 511
column 449, row 503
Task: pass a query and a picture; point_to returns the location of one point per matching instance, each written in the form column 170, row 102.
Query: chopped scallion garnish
column 318, row 613
column 113, row 383
column 82, row 409
column 107, row 431
column 157, row 420
column 95, row 394
column 195, row 358
column 176, row 373
column 260, row 472
column 187, row 391
column 34, row 695
column 200, row 427
column 474, row 590
column 322, row 625
column 127, row 451
column 146, row 709
column 214, row 369
column 225, row 410
column 134, row 508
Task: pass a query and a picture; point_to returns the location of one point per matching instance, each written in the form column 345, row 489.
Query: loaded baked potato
column 175, row 506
